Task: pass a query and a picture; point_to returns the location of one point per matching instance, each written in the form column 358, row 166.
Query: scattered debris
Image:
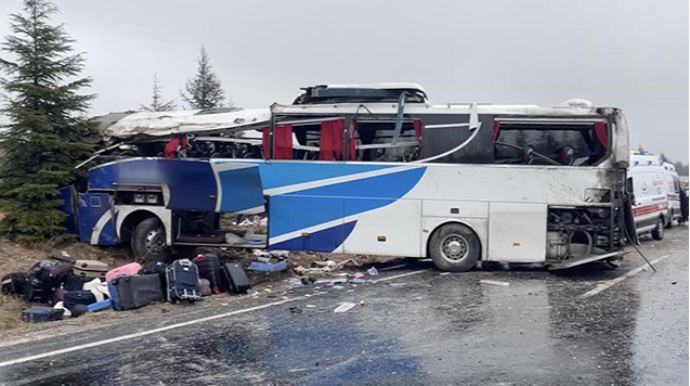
column 349, row 263
column 373, row 271
column 338, row 287
column 397, row 284
column 398, row 266
column 674, row 283
column 344, row 307
column 311, row 306
column 295, row 310
column 444, row 274
column 359, row 275
column 267, row 290
column 268, row 267
column 361, row 302
column 493, row 282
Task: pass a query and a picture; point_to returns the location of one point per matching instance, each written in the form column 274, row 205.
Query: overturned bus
column 373, row 169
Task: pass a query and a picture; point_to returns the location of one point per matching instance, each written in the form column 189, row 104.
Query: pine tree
column 156, row 99
column 204, row 90
column 43, row 141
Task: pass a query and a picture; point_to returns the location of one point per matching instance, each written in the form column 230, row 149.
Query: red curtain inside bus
column 282, row 142
column 418, row 130
column 332, row 140
column 602, row 135
column 497, row 130
column 178, row 142
column 353, row 150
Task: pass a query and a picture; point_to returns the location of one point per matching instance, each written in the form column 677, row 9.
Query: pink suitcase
column 127, row 269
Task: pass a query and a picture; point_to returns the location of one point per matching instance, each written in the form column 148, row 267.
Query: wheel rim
column 454, row 248
column 155, row 241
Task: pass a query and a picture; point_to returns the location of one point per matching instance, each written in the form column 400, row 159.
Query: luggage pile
column 73, row 287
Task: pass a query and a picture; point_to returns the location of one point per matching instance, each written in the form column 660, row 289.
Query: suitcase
column 35, row 291
column 209, row 269
column 157, row 267
column 51, row 273
column 58, row 295
column 182, row 279
column 41, row 314
column 205, row 287
column 134, row 291
column 13, row 283
column 73, row 282
column 90, row 269
column 74, row 298
column 234, row 279
column 127, row 269
column 100, row 306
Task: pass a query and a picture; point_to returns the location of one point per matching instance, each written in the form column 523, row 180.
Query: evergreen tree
column 157, row 100
column 43, row 141
column 204, row 90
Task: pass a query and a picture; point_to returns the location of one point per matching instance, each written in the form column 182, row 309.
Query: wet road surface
column 421, row 329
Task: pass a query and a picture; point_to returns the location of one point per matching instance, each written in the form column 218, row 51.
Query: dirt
column 19, row 258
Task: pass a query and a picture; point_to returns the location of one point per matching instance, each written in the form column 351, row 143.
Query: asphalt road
column 577, row 327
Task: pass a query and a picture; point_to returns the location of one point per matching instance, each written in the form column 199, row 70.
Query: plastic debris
column 344, row 307
column 311, row 306
column 361, row 302
column 338, row 287
column 267, row 290
column 268, row 267
column 295, row 282
column 358, row 281
column 493, row 282
column 349, row 263
column 359, row 275
column 372, row 271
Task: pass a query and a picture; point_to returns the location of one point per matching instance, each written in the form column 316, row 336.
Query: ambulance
column 656, row 188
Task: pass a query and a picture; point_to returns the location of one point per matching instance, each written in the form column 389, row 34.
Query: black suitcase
column 234, row 279
column 41, row 314
column 36, row 291
column 73, row 282
column 73, row 298
column 209, row 269
column 157, row 267
column 134, row 291
column 182, row 278
column 53, row 274
column 13, row 283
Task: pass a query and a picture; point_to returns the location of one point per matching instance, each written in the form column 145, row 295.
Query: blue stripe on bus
column 311, row 207
column 281, row 174
column 326, row 240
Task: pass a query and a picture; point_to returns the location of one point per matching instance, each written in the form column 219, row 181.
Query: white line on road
column 611, row 283
column 170, row 327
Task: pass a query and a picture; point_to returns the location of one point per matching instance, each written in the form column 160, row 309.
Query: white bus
column 379, row 170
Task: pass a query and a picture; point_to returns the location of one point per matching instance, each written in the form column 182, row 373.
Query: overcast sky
column 628, row 53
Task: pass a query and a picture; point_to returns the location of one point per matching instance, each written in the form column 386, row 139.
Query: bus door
column 96, row 225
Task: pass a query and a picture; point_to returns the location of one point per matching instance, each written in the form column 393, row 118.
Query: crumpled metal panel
column 166, row 123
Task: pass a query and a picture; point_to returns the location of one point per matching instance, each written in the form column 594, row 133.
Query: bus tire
column 148, row 241
column 658, row 232
column 454, row 247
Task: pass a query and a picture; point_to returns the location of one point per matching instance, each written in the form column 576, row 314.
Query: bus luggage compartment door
column 95, row 219
column 517, row 232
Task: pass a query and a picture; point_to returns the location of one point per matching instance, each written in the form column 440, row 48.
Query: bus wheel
column 658, row 232
column 148, row 241
column 454, row 247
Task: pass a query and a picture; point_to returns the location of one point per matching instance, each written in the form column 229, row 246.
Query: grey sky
column 628, row 53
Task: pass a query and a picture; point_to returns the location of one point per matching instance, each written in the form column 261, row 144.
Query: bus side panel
column 68, row 197
column 393, row 229
column 95, row 219
column 517, row 232
column 307, row 223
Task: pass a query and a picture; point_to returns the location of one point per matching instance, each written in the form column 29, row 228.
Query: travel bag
column 234, row 279
column 73, row 282
column 73, row 298
column 13, row 283
column 90, row 269
column 35, row 290
column 100, row 306
column 209, row 269
column 182, row 279
column 127, row 269
column 58, row 295
column 205, row 287
column 134, row 291
column 157, row 267
column 39, row 314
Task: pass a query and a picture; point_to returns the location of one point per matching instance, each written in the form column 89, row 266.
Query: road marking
column 611, row 283
column 170, row 327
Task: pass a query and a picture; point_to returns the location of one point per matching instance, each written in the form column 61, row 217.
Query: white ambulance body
column 656, row 188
